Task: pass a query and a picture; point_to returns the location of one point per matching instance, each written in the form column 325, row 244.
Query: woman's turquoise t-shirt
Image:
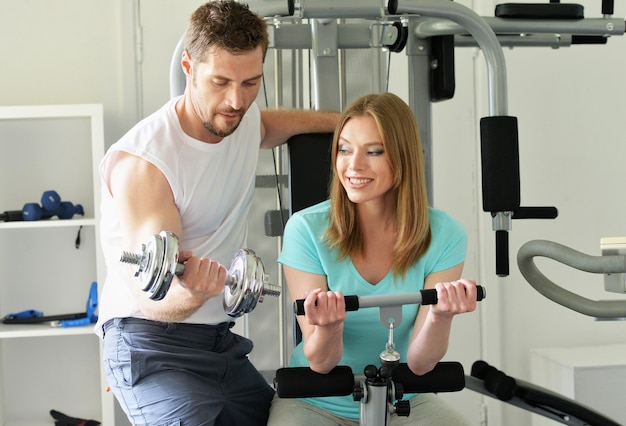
column 364, row 335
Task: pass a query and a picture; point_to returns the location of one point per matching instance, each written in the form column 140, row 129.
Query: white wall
column 70, row 51
column 569, row 103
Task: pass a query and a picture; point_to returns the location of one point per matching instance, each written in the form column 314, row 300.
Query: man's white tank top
column 213, row 187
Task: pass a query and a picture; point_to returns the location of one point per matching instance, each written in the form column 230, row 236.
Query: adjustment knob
column 370, row 371
column 357, row 393
column 403, row 408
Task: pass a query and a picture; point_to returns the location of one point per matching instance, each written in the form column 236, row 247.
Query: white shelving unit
column 50, row 147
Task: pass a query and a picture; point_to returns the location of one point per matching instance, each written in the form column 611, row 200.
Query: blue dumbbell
column 68, row 210
column 51, row 205
column 50, row 201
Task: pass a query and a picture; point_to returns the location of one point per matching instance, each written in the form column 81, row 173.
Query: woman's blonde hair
column 400, row 136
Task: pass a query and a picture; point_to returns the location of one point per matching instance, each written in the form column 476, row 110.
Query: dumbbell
column 246, row 280
column 51, row 205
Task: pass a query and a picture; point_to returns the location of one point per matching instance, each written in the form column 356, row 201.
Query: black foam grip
column 500, row 163
column 11, row 216
column 352, row 304
column 536, row 213
column 502, row 253
column 298, row 307
column 302, row 382
column 429, row 296
column 442, row 77
column 582, row 39
column 496, row 382
column 540, row 11
column 445, row 377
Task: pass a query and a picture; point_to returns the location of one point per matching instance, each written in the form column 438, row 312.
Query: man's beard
column 221, row 132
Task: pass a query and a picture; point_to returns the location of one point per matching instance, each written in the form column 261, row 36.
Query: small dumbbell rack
column 45, row 268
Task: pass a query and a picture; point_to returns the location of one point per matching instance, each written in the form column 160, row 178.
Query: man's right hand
column 203, row 277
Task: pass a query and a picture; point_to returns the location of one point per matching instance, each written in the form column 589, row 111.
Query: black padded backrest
column 309, row 169
column 309, row 175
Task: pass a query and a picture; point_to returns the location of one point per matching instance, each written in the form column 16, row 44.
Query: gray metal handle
column 607, row 309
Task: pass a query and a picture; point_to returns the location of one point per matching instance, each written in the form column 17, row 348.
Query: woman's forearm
column 324, row 348
column 430, row 344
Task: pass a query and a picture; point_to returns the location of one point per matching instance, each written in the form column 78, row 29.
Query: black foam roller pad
column 495, row 381
column 447, row 376
column 500, row 163
column 302, row 382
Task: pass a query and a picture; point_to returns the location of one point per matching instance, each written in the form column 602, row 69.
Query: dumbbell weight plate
column 149, row 269
column 170, row 264
column 162, row 250
column 244, row 285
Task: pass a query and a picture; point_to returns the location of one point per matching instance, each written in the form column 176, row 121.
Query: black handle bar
column 423, row 297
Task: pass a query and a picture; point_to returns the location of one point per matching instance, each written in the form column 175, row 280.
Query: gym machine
column 380, row 390
column 492, row 382
column 612, row 263
column 428, row 31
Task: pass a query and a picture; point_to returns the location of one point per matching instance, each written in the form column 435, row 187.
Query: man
column 190, row 168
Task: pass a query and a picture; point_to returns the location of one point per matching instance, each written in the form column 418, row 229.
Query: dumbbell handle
column 231, row 282
column 423, row 297
column 11, row 216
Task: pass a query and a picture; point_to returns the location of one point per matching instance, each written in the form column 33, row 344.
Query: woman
column 375, row 235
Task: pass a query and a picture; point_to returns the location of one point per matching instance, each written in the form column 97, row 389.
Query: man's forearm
column 281, row 124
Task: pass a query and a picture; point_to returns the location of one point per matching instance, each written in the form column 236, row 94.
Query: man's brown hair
column 225, row 24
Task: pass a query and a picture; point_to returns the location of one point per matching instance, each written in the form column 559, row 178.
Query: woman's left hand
column 455, row 297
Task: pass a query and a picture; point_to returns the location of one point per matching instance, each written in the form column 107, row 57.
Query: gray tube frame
column 613, row 264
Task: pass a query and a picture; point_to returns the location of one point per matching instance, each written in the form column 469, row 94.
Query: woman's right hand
column 324, row 308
